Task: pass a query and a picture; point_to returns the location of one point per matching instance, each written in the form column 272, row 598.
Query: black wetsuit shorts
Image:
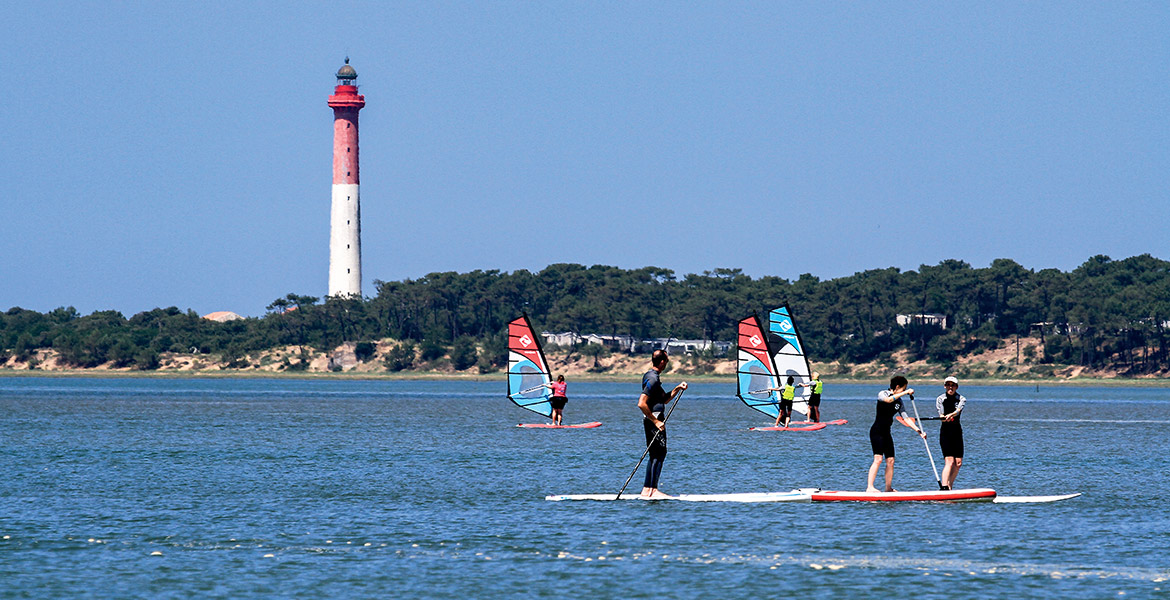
column 558, row 402
column 881, row 441
column 950, row 437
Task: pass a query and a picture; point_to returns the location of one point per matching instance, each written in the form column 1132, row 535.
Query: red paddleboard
column 971, row 495
column 551, row 426
column 793, row 427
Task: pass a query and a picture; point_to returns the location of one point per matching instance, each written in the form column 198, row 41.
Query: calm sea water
column 264, row 488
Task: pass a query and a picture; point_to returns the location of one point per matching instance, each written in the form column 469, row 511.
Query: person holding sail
column 889, row 406
column 558, row 399
column 787, row 395
column 652, row 402
column 814, row 398
column 950, row 435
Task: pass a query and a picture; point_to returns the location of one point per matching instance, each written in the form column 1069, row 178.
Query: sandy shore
column 1005, row 366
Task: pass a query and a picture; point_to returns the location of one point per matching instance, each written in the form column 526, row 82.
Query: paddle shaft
column 926, row 443
column 652, row 440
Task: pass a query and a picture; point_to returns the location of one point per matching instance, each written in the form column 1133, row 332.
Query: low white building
column 923, row 319
column 633, row 345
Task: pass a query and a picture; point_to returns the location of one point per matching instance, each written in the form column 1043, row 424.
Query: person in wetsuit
column 558, row 399
column 652, row 402
column 889, row 406
column 787, row 395
column 814, row 398
column 950, row 435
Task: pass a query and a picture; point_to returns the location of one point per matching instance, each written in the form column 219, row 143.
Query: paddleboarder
column 787, row 395
column 652, row 402
column 950, row 435
column 558, row 398
column 889, row 407
column 814, row 398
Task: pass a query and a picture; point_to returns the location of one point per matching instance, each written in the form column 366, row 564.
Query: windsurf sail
column 755, row 372
column 527, row 369
column 788, row 355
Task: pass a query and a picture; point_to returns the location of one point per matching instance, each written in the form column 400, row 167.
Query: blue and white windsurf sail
column 788, row 355
column 527, row 369
column 755, row 373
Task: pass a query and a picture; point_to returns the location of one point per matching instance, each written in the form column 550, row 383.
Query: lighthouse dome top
column 346, row 72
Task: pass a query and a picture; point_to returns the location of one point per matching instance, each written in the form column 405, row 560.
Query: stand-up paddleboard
column 590, row 425
column 792, row 427
column 801, row 495
column 971, row 495
column 529, row 375
column 1033, row 499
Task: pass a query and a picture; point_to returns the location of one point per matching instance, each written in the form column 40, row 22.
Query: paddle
column 652, row 440
column 926, row 443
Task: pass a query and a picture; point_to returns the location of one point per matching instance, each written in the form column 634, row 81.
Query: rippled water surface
column 263, row 488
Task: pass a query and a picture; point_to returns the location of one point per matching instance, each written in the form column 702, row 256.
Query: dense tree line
column 1103, row 313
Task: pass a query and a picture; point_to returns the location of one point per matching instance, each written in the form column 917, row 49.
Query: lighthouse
column 345, row 216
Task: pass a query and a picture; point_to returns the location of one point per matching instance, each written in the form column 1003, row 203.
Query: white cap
column 950, row 380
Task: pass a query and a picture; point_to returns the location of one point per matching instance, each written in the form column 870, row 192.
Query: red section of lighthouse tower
column 346, row 103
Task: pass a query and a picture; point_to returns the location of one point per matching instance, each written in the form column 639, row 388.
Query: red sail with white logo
column 528, row 371
column 756, row 379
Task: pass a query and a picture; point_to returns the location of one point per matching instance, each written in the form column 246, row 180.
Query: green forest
column 1105, row 313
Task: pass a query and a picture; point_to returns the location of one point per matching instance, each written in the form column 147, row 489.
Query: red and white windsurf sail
column 528, row 371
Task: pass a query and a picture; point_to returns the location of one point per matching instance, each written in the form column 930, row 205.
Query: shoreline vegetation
column 1105, row 320
column 345, row 363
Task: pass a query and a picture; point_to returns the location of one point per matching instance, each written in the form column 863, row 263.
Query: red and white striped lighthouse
column 345, row 217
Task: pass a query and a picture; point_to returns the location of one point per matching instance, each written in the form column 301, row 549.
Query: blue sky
column 164, row 153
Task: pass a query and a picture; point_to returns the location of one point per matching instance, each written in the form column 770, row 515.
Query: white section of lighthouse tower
column 345, row 215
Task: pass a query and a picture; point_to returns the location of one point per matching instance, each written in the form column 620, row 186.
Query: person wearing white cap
column 950, row 435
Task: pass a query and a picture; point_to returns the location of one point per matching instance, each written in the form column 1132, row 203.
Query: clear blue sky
column 165, row 153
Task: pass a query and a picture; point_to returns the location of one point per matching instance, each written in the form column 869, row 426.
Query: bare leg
column 556, row 416
column 873, row 469
column 950, row 482
column 890, row 474
column 948, row 466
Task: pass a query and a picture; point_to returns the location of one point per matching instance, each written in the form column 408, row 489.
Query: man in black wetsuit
column 652, row 402
column 889, row 407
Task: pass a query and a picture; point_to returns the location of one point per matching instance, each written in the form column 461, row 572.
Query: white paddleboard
column 801, row 495
column 1024, row 499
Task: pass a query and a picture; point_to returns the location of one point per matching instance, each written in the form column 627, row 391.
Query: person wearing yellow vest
column 814, row 399
column 787, row 395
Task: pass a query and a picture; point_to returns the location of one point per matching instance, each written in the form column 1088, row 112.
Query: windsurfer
column 787, row 395
column 558, row 399
column 814, row 398
column 950, row 434
column 652, row 402
column 889, row 406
